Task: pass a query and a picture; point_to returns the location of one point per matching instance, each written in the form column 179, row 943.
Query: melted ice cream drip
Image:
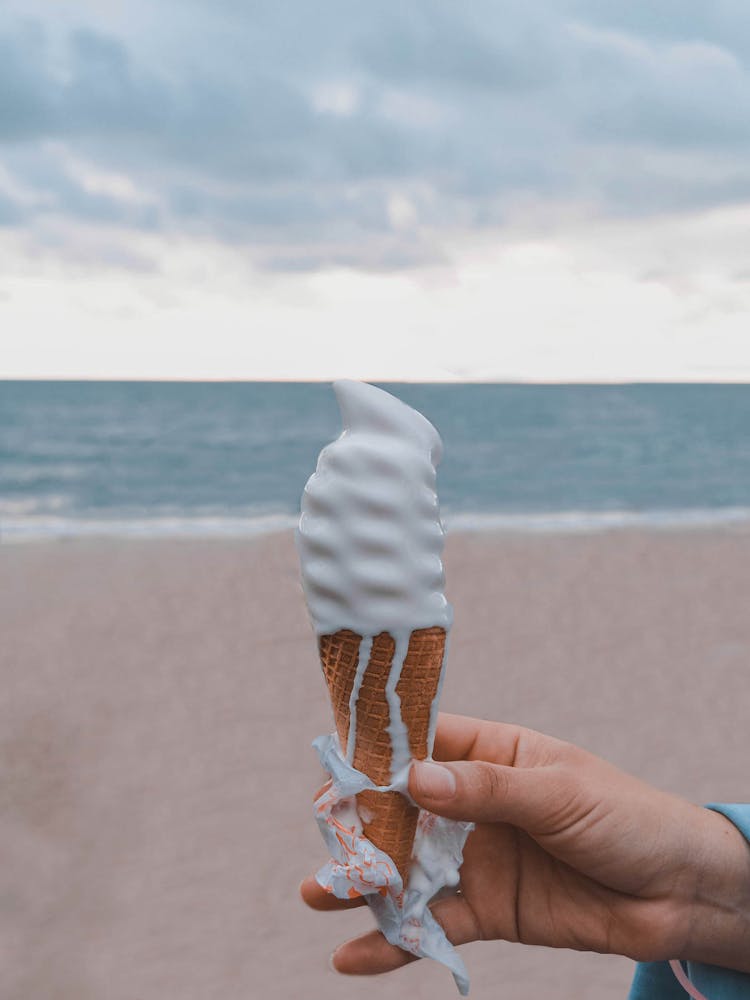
column 399, row 734
column 365, row 648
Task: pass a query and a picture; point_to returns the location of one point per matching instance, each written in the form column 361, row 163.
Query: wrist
column 718, row 913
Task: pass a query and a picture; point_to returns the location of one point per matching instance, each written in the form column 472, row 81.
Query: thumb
column 531, row 798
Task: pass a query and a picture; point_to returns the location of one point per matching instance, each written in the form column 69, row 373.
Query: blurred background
column 527, row 221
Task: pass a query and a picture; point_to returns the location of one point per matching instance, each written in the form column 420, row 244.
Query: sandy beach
column 160, row 698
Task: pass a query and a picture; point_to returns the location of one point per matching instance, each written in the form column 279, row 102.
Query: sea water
column 159, row 459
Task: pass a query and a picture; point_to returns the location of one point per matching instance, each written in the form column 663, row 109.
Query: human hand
column 570, row 852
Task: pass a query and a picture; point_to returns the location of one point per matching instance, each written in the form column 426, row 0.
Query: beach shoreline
column 162, row 695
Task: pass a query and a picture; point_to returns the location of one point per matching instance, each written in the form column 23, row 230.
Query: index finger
column 459, row 737
column 317, row 898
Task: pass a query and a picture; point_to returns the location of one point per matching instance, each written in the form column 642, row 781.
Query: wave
column 32, row 529
column 586, row 521
column 17, row 528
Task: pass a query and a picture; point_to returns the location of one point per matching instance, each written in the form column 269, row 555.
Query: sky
column 556, row 191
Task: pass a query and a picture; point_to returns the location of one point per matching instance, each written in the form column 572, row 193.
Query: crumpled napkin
column 358, row 868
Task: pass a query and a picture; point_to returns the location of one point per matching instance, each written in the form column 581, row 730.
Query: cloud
column 25, row 98
column 609, row 299
column 426, row 44
column 686, row 95
column 293, row 129
column 10, row 212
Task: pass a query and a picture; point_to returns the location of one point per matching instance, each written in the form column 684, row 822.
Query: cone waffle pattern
column 388, row 819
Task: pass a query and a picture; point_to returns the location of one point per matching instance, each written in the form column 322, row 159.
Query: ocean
column 151, row 459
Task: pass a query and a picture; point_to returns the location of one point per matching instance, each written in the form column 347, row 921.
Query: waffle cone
column 388, row 818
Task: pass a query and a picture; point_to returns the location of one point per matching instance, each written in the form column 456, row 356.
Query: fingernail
column 434, row 781
column 331, row 957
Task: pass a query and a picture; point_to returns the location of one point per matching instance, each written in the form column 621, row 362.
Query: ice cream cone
column 370, row 542
column 389, row 820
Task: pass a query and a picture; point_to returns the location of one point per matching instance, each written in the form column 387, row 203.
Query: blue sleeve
column 656, row 981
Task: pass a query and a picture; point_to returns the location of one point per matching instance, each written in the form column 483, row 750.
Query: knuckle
column 569, row 753
column 491, row 782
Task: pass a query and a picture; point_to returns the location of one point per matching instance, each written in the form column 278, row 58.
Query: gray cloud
column 11, row 213
column 25, row 98
column 288, row 126
column 721, row 22
column 427, row 44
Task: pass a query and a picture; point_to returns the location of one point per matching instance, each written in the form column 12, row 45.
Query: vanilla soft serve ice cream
column 370, row 542
column 370, row 537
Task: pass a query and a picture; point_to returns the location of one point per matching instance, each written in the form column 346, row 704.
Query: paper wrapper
column 382, row 845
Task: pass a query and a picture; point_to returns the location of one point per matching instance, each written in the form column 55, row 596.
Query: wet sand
column 159, row 700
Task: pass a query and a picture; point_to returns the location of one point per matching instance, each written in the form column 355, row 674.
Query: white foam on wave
column 40, row 529
column 18, row 528
column 588, row 521
column 27, row 506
